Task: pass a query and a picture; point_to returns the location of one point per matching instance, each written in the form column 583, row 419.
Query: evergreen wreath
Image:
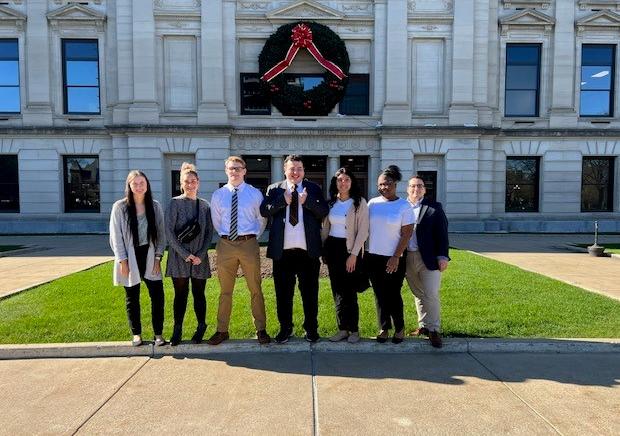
column 322, row 43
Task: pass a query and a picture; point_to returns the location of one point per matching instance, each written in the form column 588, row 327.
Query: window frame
column 538, row 79
column 66, row 184
column 365, row 76
column 610, row 183
column 612, row 84
column 536, row 185
column 242, row 111
column 65, row 87
column 18, row 86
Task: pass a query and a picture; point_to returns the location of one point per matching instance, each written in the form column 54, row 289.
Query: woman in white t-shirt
column 391, row 227
column 344, row 232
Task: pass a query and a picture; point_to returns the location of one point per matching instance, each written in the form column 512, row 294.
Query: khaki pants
column 231, row 254
column 425, row 286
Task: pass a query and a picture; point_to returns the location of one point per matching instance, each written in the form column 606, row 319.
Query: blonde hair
column 237, row 159
column 187, row 168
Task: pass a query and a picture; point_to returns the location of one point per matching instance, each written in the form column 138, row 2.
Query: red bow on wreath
column 302, row 38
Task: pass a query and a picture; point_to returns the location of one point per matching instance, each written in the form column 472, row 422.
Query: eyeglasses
column 418, row 185
column 235, row 169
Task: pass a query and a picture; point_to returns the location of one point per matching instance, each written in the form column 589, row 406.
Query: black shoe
column 282, row 337
column 200, row 332
column 177, row 332
column 312, row 337
column 263, row 337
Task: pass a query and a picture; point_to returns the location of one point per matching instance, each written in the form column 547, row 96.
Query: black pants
column 387, row 287
column 181, row 292
column 132, row 298
column 345, row 297
column 297, row 263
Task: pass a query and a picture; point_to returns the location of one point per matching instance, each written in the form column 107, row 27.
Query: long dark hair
column 355, row 192
column 148, row 206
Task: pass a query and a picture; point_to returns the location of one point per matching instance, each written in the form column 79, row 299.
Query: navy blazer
column 432, row 234
column 315, row 208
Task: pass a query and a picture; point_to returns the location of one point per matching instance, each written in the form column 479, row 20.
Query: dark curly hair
column 393, row 172
column 355, row 192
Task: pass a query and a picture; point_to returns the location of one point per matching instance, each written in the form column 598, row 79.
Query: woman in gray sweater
column 188, row 261
column 137, row 239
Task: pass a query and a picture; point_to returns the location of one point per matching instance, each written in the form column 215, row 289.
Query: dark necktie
column 234, row 212
column 293, row 216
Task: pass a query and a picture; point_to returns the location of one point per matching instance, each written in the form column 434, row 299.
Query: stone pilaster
column 481, row 64
column 38, row 110
column 124, row 62
column 144, row 109
column 379, row 55
column 462, row 110
column 212, row 109
column 562, row 112
column 277, row 172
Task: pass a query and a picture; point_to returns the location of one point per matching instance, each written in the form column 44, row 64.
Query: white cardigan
column 121, row 242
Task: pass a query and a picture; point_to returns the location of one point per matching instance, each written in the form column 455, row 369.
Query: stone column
column 144, row 109
column 124, row 62
column 277, row 172
column 212, row 109
column 379, row 54
column 38, row 110
column 481, row 64
column 332, row 166
column 562, row 110
column 462, row 109
column 397, row 110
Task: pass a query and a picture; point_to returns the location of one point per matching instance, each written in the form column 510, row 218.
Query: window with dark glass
column 359, row 165
column 522, row 174
column 597, row 184
column 81, row 183
column 9, row 183
column 522, row 80
column 597, row 80
column 356, row 99
column 253, row 101
column 80, row 76
column 9, row 76
column 258, row 171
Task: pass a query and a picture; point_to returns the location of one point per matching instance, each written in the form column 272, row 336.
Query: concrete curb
column 25, row 250
column 451, row 345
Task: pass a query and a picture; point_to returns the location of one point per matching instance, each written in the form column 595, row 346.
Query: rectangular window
column 81, row 180
column 9, row 76
column 522, row 80
column 522, row 174
column 356, row 99
column 597, row 184
column 9, row 183
column 80, row 70
column 597, row 80
column 252, row 100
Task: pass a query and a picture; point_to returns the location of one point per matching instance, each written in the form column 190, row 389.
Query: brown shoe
column 218, row 338
column 263, row 337
column 383, row 336
column 420, row 331
column 435, row 339
column 398, row 337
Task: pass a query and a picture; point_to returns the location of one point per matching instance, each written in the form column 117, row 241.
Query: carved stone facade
column 169, row 81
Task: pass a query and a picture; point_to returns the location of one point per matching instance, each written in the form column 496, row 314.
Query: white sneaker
column 342, row 334
column 159, row 341
column 353, row 338
column 136, row 341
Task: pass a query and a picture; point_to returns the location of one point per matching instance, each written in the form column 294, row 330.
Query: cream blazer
column 356, row 226
column 121, row 243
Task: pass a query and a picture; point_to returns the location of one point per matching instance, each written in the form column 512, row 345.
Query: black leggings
column 345, row 296
column 132, row 298
column 387, row 287
column 181, row 292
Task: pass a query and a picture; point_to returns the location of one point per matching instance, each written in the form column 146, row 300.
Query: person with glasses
column 296, row 208
column 427, row 258
column 391, row 226
column 235, row 212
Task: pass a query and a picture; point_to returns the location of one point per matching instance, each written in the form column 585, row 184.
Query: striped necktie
column 293, row 216
column 234, row 212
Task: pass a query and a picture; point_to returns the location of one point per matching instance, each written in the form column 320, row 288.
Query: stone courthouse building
column 506, row 107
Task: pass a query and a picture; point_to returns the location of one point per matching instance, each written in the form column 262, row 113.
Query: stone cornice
column 11, row 17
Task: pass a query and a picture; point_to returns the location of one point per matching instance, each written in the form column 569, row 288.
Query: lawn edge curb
column 451, row 345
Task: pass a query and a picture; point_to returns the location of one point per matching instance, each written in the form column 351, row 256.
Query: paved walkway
column 549, row 255
column 314, row 393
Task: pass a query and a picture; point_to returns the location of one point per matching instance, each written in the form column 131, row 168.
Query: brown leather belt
column 239, row 238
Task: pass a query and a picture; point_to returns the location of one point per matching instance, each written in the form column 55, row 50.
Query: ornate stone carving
column 540, row 4
column 11, row 17
column 429, row 6
column 305, row 9
column 528, row 18
column 76, row 14
column 356, row 8
column 304, row 143
column 60, row 2
column 598, row 21
column 254, row 6
column 599, row 4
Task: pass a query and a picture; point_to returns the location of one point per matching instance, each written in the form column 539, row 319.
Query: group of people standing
column 382, row 241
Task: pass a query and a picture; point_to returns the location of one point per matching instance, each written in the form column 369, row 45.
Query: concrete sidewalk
column 314, row 393
column 550, row 255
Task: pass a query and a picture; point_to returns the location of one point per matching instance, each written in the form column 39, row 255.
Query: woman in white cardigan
column 137, row 237
column 344, row 232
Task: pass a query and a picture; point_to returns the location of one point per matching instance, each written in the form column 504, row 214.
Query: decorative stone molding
column 599, row 21
column 425, row 6
column 599, row 4
column 301, row 144
column 75, row 14
column 357, row 8
column 601, row 148
column 528, row 18
column 253, row 6
column 12, row 18
column 303, row 10
column 427, row 146
column 530, row 4
column 177, row 5
column 79, row 146
column 524, row 148
column 8, row 145
column 178, row 145
column 60, row 2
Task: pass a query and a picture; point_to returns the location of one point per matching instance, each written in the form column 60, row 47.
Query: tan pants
column 425, row 286
column 231, row 254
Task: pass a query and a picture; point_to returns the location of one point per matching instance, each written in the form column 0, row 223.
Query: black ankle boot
column 177, row 332
column 200, row 332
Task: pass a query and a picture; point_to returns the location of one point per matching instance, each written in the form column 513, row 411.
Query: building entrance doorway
column 173, row 172
column 430, row 182
column 431, row 170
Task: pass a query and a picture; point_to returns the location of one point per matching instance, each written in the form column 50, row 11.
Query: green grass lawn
column 10, row 247
column 609, row 248
column 480, row 297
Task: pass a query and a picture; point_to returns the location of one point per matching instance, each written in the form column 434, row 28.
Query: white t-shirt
column 337, row 218
column 295, row 236
column 386, row 219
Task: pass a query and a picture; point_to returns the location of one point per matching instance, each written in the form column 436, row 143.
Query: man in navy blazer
column 427, row 258
column 296, row 208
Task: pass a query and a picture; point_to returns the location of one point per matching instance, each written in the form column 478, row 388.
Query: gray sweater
column 181, row 211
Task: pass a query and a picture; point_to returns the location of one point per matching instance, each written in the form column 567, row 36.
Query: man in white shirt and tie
column 235, row 212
